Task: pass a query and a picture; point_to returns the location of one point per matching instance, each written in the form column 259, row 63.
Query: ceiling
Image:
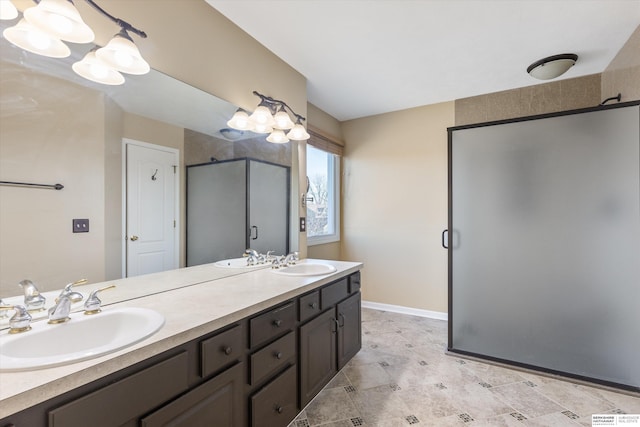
column 366, row 57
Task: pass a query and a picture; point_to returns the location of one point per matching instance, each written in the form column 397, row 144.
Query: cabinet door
column 349, row 329
column 218, row 402
column 317, row 354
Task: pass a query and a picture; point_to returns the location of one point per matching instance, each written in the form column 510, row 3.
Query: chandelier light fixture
column 45, row 27
column 271, row 116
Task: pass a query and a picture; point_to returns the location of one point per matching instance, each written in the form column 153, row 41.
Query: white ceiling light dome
column 552, row 66
column 61, row 19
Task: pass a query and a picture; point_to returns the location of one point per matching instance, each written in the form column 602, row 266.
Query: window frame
column 333, row 205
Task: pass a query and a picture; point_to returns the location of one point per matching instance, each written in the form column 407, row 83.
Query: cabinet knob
column 313, row 305
column 228, row 350
column 279, row 409
column 277, row 323
column 278, row 355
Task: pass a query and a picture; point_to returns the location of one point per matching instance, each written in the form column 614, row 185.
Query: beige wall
column 395, row 204
column 623, row 73
column 45, row 138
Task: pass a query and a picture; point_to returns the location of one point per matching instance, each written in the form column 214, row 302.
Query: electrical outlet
column 303, row 224
column 80, row 225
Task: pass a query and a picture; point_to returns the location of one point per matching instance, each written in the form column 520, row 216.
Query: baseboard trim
column 405, row 310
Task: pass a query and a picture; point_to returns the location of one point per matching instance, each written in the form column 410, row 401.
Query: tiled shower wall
column 562, row 95
column 621, row 76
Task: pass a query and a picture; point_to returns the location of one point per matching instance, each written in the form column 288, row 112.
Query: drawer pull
column 278, row 355
column 228, row 350
column 313, row 305
column 277, row 323
column 279, row 409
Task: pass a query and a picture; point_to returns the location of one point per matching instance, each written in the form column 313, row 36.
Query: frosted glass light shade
column 26, row 36
column 92, row 68
column 282, row 120
column 7, row 10
column 61, row 19
column 277, row 137
column 240, row 121
column 123, row 55
column 298, row 133
column 262, row 128
column 552, row 66
column 262, row 116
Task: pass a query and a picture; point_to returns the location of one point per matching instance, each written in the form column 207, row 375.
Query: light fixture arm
column 123, row 24
column 274, row 104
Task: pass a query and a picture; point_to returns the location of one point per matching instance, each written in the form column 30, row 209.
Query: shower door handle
column 445, row 239
column 253, row 227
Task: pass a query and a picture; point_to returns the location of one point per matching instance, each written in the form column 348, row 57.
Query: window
column 323, row 196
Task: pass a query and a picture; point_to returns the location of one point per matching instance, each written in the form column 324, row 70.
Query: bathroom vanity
column 247, row 350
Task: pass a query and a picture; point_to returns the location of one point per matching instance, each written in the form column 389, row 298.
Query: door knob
column 134, row 238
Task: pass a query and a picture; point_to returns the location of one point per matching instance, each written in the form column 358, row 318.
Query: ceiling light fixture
column 46, row 26
column 271, row 117
column 552, row 66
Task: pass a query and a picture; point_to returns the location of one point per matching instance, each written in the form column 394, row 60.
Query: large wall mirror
column 56, row 127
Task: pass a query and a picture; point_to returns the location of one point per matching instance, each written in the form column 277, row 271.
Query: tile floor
column 402, row 377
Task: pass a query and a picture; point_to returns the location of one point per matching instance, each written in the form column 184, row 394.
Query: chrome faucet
column 33, row 300
column 59, row 313
column 92, row 304
column 252, row 256
column 291, row 258
column 20, row 321
column 68, row 291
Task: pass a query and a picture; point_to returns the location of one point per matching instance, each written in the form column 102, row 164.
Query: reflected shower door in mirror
column 218, row 192
column 56, row 127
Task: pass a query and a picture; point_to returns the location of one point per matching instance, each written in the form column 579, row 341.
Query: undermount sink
column 81, row 338
column 306, row 269
column 238, row 263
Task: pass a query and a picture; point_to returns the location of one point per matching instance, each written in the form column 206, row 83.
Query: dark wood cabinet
column 349, row 329
column 218, row 402
column 330, row 340
column 259, row 371
column 318, row 363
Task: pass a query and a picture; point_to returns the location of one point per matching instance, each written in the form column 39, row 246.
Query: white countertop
column 189, row 311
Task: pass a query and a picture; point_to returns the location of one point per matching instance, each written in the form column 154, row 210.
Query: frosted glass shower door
column 545, row 243
column 216, row 211
column 268, row 207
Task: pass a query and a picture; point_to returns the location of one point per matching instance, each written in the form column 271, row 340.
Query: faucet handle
column 68, row 291
column 20, row 321
column 92, row 304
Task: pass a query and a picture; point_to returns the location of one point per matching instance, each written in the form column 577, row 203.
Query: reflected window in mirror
column 323, row 196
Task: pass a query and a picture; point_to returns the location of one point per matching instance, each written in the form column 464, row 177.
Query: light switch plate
column 303, row 224
column 80, row 225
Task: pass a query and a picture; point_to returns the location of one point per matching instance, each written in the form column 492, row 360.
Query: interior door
column 268, row 207
column 151, row 209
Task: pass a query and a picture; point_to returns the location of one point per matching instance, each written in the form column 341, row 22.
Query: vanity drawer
column 332, row 294
column 309, row 306
column 354, row 282
column 221, row 350
column 272, row 357
column 271, row 324
column 127, row 398
column 275, row 404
